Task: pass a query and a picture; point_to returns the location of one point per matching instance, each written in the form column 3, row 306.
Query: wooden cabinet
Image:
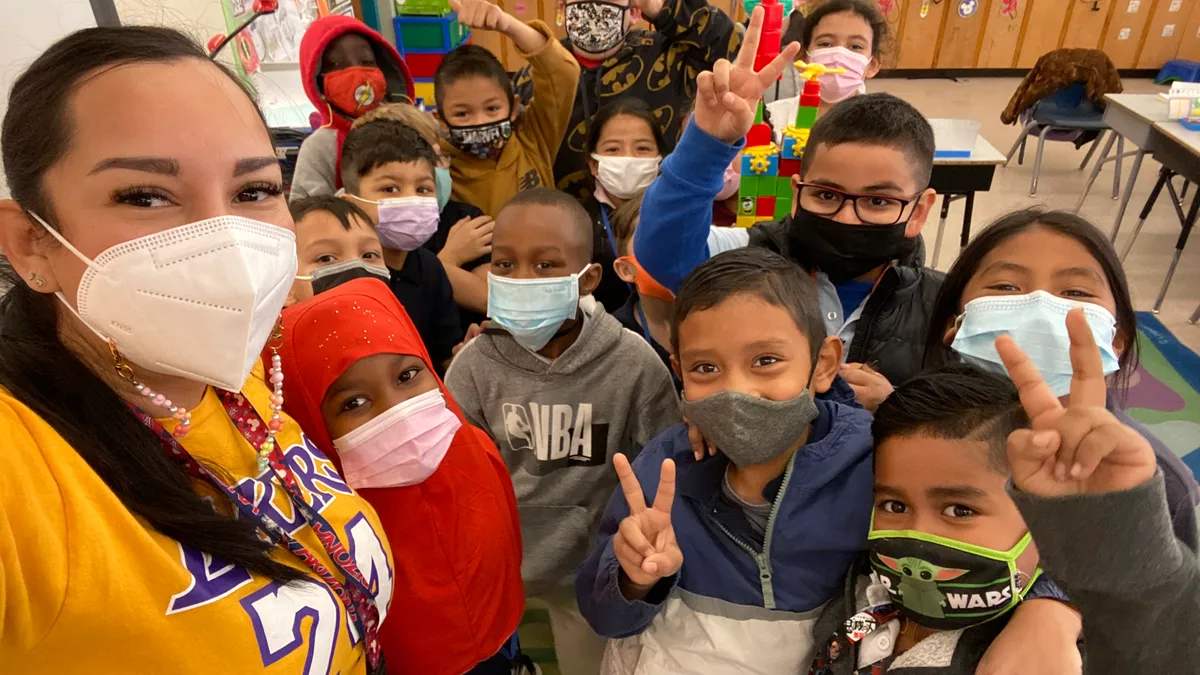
column 1164, row 32
column 1002, row 34
column 919, row 36
column 1189, row 41
column 964, row 24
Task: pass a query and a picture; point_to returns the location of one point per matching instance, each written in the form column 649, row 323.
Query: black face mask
column 843, row 251
column 333, row 276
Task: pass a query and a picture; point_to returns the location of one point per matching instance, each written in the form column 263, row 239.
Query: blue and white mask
column 532, row 310
column 1038, row 323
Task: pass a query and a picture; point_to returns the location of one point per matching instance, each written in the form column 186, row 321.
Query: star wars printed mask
column 946, row 584
column 594, row 26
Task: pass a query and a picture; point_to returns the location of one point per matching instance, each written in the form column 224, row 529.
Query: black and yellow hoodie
column 660, row 67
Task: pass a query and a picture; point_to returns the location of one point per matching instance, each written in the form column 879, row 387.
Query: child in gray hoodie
column 561, row 386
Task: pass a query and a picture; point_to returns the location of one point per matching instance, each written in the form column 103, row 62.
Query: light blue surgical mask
column 532, row 310
column 1038, row 323
column 444, row 184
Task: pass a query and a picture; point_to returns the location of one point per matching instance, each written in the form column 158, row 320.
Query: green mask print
column 947, row 584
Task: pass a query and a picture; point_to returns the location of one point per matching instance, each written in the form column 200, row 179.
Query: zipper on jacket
column 763, row 558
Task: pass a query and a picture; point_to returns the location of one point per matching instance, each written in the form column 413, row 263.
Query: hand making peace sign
column 1079, row 449
column 727, row 96
column 645, row 541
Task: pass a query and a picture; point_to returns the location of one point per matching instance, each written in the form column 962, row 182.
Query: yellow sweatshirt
column 86, row 587
column 527, row 160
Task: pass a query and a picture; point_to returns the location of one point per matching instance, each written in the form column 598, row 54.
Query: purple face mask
column 407, row 222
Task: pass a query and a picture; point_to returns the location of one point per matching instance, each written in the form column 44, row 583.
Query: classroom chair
column 1064, row 115
column 1187, row 221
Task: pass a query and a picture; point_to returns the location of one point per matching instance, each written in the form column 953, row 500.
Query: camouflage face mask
column 946, row 584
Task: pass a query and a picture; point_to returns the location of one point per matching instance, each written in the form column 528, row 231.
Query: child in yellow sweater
column 493, row 154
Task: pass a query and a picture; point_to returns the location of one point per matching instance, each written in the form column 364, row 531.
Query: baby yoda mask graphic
column 946, row 584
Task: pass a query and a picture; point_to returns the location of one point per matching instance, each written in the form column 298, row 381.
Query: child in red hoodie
column 362, row 387
column 347, row 70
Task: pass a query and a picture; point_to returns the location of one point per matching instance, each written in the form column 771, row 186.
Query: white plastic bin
column 954, row 137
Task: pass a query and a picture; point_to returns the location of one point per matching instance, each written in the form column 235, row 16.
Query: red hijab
column 456, row 540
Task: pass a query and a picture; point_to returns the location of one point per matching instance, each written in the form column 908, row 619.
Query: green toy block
column 805, row 117
column 748, row 187
column 423, row 7
column 783, row 187
column 783, row 207
column 747, row 206
column 758, row 113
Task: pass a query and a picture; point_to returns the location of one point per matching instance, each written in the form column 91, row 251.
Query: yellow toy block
column 747, row 221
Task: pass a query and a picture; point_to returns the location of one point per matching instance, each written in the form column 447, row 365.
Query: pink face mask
column 401, row 447
column 839, row 86
column 405, row 222
column 733, row 179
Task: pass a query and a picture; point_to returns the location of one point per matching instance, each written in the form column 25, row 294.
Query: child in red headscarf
column 362, row 387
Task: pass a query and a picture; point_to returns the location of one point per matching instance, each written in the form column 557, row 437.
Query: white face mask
column 197, row 301
column 624, row 177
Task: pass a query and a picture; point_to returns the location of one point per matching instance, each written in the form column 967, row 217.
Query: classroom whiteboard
column 27, row 27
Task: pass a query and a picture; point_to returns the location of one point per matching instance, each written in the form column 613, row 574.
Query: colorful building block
column 783, row 208
column 423, row 66
column 429, row 34
column 423, row 91
column 747, row 206
column 788, row 168
column 760, row 134
column 765, row 207
column 760, row 165
column 806, row 117
column 783, row 188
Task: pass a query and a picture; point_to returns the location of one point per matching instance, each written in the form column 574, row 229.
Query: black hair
column 949, row 301
column 470, row 61
column 626, row 105
column 959, row 402
column 578, row 216
column 795, row 31
column 866, row 9
column 379, row 142
column 342, row 209
column 876, row 119
column 758, row 272
column 47, row 377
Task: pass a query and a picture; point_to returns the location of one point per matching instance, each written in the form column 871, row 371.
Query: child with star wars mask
column 494, row 152
column 562, row 387
column 949, row 556
column 657, row 66
column 388, row 171
column 347, row 70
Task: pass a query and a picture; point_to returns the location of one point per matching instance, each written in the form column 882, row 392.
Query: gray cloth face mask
column 749, row 429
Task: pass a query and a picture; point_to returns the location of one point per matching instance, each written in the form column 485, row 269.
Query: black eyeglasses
column 870, row 209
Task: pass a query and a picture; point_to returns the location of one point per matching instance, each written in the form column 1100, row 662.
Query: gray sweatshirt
column 557, row 425
column 315, row 165
column 1136, row 584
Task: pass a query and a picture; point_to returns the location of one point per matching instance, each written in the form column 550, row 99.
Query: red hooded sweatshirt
column 312, row 47
column 456, row 538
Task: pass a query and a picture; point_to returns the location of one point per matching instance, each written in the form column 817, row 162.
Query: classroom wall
column 26, row 30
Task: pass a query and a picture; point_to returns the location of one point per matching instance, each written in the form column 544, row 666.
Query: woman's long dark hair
column 949, row 300
column 42, row 373
column 626, row 105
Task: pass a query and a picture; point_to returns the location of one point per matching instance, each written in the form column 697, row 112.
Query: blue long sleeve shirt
column 672, row 234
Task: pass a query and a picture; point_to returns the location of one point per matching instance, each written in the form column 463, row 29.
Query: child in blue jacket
column 769, row 524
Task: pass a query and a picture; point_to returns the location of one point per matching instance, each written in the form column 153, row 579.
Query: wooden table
column 962, row 177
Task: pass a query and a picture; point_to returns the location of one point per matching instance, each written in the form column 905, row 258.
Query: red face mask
column 355, row 90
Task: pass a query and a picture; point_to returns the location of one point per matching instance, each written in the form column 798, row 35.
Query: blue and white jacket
column 739, row 604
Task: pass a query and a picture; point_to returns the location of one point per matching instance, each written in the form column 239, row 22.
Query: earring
column 37, row 280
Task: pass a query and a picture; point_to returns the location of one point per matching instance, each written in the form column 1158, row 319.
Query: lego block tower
column 426, row 30
column 765, row 192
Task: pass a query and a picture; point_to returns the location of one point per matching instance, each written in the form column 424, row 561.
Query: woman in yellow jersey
column 157, row 513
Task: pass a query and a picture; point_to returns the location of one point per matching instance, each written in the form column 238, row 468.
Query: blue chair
column 1178, row 70
column 1064, row 115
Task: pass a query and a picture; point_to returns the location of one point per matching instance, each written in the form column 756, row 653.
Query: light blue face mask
column 444, row 184
column 1038, row 323
column 532, row 310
